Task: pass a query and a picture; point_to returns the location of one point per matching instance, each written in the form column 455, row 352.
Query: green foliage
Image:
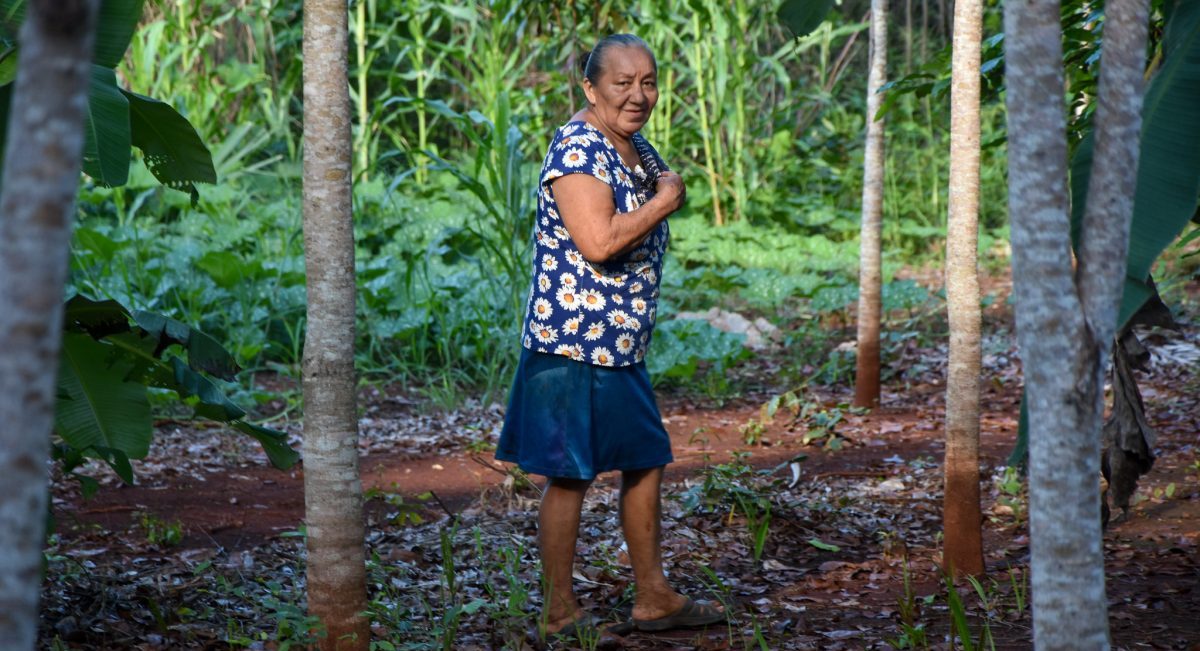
column 804, row 16
column 737, row 487
column 680, row 346
column 110, row 359
column 160, row 532
column 118, row 119
column 1168, row 180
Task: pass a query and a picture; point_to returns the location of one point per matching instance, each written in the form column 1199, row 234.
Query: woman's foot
column 558, row 623
column 674, row 611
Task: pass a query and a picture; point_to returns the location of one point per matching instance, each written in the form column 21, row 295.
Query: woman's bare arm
column 602, row 233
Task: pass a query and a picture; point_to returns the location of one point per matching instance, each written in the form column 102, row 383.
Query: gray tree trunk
column 332, row 488
column 870, row 275
column 41, row 177
column 1066, row 317
column 962, row 520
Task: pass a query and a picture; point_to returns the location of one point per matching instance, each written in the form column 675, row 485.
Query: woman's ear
column 589, row 92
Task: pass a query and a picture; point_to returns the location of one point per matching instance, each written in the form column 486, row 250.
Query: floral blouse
column 602, row 314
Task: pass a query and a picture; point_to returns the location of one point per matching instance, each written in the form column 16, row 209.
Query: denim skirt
column 574, row 420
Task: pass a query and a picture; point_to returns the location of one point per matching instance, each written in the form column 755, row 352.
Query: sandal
column 691, row 614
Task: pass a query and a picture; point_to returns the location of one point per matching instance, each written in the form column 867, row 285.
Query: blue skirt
column 574, row 420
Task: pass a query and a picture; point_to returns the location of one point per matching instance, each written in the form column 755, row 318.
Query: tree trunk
column 870, row 276
column 1066, row 317
column 908, row 37
column 41, row 177
column 332, row 489
column 962, row 520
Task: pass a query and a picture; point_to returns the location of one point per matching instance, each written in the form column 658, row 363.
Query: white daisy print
column 619, row 319
column 593, row 301
column 571, row 326
column 567, row 298
column 574, row 157
column 617, row 299
column 635, row 287
column 624, row 343
column 550, row 242
column 575, row 259
column 567, row 280
column 623, row 178
column 527, row 342
column 561, row 233
column 552, row 213
column 565, row 350
column 544, row 282
column 594, row 331
column 601, row 357
column 549, row 262
column 542, row 309
column 601, row 172
column 631, row 202
column 602, row 158
column 543, row 333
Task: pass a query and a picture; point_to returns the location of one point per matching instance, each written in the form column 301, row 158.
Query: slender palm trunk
column 1065, row 316
column 870, row 275
column 332, row 489
column 962, row 520
column 41, row 176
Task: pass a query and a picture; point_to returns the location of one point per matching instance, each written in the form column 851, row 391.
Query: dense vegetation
column 454, row 106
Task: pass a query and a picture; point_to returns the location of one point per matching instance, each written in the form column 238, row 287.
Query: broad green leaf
column 174, row 153
column 116, row 459
column 115, row 26
column 213, row 404
column 97, row 406
column 274, row 443
column 8, row 66
column 107, row 146
column 803, row 16
column 1168, row 180
column 1169, row 166
column 12, row 14
column 93, row 242
column 228, row 269
column 204, row 353
column 117, row 22
column 97, row 318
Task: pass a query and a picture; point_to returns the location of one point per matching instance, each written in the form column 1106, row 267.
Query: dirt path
column 840, row 600
column 240, row 508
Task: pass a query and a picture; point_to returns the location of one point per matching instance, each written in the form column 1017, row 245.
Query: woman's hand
column 670, row 188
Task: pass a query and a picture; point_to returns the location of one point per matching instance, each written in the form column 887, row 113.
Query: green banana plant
column 111, row 356
column 117, row 119
column 110, row 359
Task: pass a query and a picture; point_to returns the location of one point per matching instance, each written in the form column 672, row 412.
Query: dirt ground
column 860, row 519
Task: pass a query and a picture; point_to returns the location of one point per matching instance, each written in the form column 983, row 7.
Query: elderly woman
column 581, row 402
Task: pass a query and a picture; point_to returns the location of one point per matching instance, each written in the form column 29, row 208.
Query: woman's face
column 625, row 91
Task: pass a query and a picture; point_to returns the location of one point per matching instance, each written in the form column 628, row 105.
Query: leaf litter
column 847, row 530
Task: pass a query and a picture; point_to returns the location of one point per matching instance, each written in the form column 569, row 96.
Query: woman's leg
column 558, row 529
column 641, row 519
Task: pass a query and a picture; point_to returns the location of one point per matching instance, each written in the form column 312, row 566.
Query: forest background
column 454, row 106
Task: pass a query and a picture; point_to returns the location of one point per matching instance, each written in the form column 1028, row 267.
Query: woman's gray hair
column 593, row 62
